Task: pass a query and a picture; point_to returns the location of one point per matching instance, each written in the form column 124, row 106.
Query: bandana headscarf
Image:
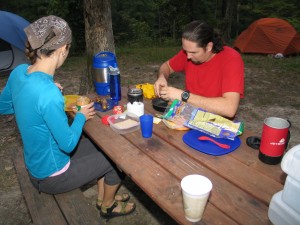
column 38, row 31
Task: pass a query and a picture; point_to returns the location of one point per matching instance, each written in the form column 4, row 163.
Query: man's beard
column 195, row 62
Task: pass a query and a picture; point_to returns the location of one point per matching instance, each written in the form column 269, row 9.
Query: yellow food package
column 148, row 90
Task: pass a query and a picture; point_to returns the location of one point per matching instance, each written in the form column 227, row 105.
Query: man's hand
column 163, row 74
column 170, row 93
column 160, row 84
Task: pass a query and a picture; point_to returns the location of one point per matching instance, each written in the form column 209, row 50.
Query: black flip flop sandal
column 124, row 198
column 108, row 212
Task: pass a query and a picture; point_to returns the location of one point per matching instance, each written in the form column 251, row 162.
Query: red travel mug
column 275, row 135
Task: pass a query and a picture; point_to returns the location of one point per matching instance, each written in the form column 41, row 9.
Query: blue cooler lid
column 104, row 60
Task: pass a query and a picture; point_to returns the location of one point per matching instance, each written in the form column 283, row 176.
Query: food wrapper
column 148, row 90
column 176, row 115
column 118, row 109
column 182, row 114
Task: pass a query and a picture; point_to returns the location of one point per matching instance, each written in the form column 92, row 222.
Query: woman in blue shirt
column 56, row 158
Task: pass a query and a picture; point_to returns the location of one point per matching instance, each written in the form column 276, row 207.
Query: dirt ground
column 13, row 210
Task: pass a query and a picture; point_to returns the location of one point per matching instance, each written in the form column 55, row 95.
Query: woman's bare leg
column 100, row 189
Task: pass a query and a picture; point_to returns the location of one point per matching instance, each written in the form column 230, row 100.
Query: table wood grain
column 242, row 185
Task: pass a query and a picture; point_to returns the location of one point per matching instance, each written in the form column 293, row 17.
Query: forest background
column 159, row 22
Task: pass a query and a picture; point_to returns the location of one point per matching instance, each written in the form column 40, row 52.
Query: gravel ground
column 13, row 210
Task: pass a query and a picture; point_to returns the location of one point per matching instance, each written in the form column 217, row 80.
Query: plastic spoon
column 205, row 138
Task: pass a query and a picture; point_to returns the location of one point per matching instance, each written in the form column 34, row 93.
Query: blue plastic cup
column 146, row 122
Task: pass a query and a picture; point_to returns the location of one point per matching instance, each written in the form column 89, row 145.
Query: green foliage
column 58, row 8
column 285, row 9
column 132, row 20
column 72, row 12
column 30, row 9
column 141, row 22
column 159, row 22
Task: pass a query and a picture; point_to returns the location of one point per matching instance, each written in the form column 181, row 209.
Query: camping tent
column 12, row 40
column 269, row 36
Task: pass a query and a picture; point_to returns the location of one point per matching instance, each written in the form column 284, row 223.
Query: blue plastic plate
column 208, row 147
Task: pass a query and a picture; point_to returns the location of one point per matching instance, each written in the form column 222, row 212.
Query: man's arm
column 165, row 70
column 226, row 105
column 163, row 74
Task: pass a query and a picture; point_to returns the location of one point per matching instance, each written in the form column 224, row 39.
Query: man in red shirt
column 214, row 74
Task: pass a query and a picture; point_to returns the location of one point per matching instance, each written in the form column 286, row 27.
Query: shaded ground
column 284, row 101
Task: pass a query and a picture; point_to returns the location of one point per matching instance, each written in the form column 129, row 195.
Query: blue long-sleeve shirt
column 38, row 106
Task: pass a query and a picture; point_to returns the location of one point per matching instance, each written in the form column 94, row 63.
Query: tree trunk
column 230, row 6
column 98, row 36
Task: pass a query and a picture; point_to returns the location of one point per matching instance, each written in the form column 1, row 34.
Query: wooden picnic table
column 242, row 185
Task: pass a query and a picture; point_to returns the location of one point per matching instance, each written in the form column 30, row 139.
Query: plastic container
column 136, row 108
column 290, row 163
column 280, row 213
column 101, row 63
column 291, row 193
column 124, row 123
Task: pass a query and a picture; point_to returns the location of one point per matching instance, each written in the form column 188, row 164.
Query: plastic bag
column 176, row 114
column 148, row 90
column 183, row 114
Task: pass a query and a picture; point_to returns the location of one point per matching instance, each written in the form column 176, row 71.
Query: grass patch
column 270, row 64
column 136, row 56
column 154, row 55
column 146, row 55
column 270, row 81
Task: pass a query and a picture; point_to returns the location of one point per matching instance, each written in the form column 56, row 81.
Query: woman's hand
column 59, row 86
column 88, row 111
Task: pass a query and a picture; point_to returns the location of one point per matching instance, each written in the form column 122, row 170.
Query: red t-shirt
column 223, row 73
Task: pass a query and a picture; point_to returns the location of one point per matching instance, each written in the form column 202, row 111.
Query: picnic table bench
column 70, row 208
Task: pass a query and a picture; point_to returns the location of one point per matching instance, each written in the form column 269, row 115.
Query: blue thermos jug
column 101, row 75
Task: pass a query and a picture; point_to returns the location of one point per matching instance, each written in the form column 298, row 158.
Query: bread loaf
column 83, row 100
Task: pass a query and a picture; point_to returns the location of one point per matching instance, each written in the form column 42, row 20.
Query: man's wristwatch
column 185, row 96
